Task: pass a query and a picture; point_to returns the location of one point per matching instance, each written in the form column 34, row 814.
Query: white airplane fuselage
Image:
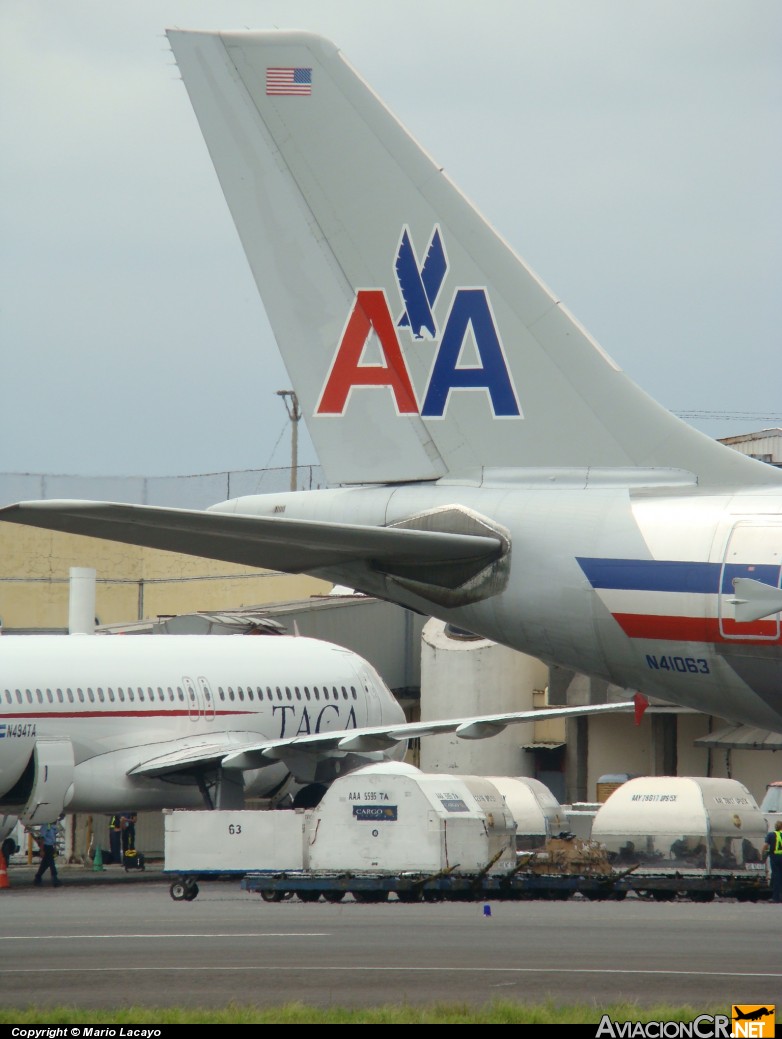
column 95, row 707
column 634, row 585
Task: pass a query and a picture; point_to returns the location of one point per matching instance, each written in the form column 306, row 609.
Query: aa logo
column 752, row 1021
column 468, row 354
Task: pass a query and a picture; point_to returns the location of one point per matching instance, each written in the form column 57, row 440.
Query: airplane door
column 207, row 700
column 192, row 697
column 200, row 701
column 54, row 765
column 755, row 551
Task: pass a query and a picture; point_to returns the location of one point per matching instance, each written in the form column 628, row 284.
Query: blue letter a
column 471, row 308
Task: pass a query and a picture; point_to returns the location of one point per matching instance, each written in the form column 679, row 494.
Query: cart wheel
column 191, row 891
column 415, row 895
column 370, row 897
column 308, row 896
column 178, row 890
column 276, row 896
column 334, row 896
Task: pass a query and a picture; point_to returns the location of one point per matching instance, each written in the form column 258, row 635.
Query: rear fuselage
column 632, row 584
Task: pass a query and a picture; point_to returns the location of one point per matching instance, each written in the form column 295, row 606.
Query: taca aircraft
column 488, row 463
column 94, row 723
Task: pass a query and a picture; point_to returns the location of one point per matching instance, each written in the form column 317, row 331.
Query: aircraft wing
column 277, row 542
column 190, row 755
column 250, row 754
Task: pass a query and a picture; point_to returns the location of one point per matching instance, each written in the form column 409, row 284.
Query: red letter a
column 370, row 313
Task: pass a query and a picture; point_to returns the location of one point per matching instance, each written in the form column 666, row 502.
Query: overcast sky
column 629, row 151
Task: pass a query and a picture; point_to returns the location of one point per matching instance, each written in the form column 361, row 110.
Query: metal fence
column 198, row 491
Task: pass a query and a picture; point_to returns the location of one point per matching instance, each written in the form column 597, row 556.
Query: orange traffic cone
column 4, row 881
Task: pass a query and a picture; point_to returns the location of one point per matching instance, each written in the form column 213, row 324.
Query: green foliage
column 500, row 1012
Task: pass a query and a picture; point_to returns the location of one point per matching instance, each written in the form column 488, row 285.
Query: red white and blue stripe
column 679, row 600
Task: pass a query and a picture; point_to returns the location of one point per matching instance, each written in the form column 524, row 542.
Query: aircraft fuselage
column 93, row 708
column 606, row 575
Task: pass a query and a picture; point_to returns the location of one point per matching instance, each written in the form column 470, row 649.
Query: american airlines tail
column 419, row 344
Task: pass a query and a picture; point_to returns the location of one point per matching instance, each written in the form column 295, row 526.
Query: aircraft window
column 29, row 696
column 121, row 695
column 69, row 694
column 141, row 695
column 19, row 695
column 231, row 695
column 250, row 693
column 131, row 694
column 101, row 697
column 279, row 693
column 49, row 696
column 298, row 693
column 160, row 694
column 60, row 696
column 80, row 695
column 91, row 695
column 344, row 693
column 269, row 693
column 288, row 693
column 151, row 692
column 180, row 694
column 170, row 693
column 39, row 694
column 111, row 695
column 7, row 696
column 240, row 692
column 325, row 692
column 307, row 691
column 221, row 692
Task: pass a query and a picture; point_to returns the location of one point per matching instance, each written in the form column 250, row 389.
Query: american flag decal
column 296, row 81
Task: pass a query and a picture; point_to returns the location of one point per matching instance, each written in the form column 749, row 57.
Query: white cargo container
column 682, row 823
column 233, row 841
column 393, row 818
column 537, row 813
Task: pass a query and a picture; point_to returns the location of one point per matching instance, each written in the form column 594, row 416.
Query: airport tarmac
column 113, row 939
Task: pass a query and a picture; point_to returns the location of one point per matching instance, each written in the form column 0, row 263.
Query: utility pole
column 291, row 402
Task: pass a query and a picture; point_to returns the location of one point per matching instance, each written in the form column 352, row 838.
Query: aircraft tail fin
column 418, row 343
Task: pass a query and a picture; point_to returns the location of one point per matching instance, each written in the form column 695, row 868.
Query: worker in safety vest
column 773, row 852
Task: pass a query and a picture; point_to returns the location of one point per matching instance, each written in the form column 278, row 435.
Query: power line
column 730, row 416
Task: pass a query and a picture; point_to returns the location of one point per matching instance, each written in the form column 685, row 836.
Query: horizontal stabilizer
column 278, row 543
column 755, row 600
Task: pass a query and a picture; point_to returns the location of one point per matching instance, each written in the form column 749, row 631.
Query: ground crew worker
column 128, row 832
column 47, row 842
column 773, row 852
